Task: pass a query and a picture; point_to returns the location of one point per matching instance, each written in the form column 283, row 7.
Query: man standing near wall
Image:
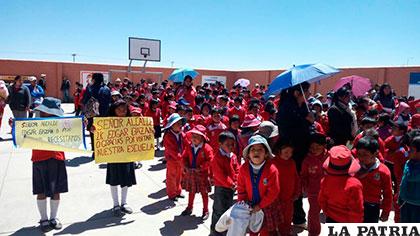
column 19, row 98
column 65, row 89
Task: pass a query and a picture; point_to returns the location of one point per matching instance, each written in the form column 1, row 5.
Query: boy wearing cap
column 174, row 142
column 225, row 173
column 341, row 194
column 376, row 180
column 49, row 175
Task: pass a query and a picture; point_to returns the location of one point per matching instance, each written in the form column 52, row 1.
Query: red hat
column 415, row 121
column 340, row 161
column 199, row 130
column 250, row 121
column 172, row 105
column 134, row 110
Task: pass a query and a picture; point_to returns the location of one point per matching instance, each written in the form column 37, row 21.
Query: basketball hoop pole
column 129, row 66
column 144, row 66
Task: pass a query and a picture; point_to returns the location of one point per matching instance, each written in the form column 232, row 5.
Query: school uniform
column 239, row 111
column 213, row 131
column 341, row 198
column 122, row 174
column 311, row 175
column 49, row 174
column 174, row 145
column 225, row 168
column 156, row 114
column 289, row 191
column 377, row 191
column 260, row 188
column 238, row 145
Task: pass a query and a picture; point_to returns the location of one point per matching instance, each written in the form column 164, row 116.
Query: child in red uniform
column 49, row 175
column 310, row 176
column 258, row 182
column 197, row 161
column 376, row 180
column 341, row 194
column 289, row 185
column 215, row 128
column 174, row 143
column 225, row 173
column 234, row 123
column 237, row 109
column 155, row 113
column 396, row 156
column 249, row 127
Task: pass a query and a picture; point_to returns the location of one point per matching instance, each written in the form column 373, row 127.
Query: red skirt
column 273, row 216
column 196, row 181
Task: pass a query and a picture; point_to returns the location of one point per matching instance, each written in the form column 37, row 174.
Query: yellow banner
column 54, row 134
column 123, row 139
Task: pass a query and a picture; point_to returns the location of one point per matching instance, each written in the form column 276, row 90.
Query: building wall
column 398, row 77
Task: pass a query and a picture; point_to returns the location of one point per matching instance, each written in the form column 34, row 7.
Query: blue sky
column 215, row 34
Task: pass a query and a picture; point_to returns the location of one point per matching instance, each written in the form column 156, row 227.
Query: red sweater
column 42, row 155
column 288, row 179
column 380, row 141
column 341, row 198
column 173, row 151
column 213, row 131
column 188, row 94
column 237, row 111
column 312, row 173
column 204, row 157
column 376, row 186
column 155, row 115
column 268, row 185
column 225, row 170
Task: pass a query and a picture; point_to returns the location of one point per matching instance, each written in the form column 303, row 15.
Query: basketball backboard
column 142, row 49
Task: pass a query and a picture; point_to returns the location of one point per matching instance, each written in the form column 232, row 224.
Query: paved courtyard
column 85, row 209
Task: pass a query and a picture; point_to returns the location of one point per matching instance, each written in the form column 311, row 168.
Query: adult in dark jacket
column 19, row 99
column 295, row 125
column 102, row 94
column 386, row 98
column 340, row 118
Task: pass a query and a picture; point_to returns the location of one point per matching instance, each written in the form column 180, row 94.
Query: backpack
column 91, row 109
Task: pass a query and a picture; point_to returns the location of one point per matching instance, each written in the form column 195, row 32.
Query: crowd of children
column 230, row 139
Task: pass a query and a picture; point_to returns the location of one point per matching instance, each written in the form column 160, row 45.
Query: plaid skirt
column 273, row 216
column 195, row 181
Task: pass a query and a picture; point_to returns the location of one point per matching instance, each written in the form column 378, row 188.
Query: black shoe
column 205, row 215
column 138, row 165
column 56, row 224
column 117, row 211
column 126, row 209
column 180, row 196
column 45, row 226
column 174, row 199
column 186, row 212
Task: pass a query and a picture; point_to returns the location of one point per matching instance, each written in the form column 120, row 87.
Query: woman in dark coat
column 340, row 118
column 386, row 98
column 295, row 124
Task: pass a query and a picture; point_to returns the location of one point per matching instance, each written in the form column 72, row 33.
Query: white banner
column 85, row 76
column 211, row 79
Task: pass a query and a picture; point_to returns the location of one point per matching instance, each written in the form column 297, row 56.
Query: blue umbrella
column 178, row 75
column 299, row 74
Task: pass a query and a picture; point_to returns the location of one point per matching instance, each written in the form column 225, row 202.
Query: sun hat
column 268, row 130
column 116, row 93
column 257, row 139
column 4, row 93
column 340, row 161
column 172, row 105
column 173, row 119
column 250, row 121
column 135, row 110
column 183, row 102
column 32, row 78
column 51, row 106
column 199, row 130
column 318, row 95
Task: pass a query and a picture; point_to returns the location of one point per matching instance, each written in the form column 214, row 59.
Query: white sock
column 124, row 191
column 54, row 208
column 42, row 208
column 114, row 194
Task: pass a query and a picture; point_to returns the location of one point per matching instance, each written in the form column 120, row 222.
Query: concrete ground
column 85, row 209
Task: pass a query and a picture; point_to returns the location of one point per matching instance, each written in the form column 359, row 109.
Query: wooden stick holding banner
column 123, row 139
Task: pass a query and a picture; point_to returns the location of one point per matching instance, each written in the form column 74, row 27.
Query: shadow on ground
column 100, row 220
column 180, row 224
column 77, row 161
column 158, row 195
column 28, row 231
column 157, row 207
column 157, row 167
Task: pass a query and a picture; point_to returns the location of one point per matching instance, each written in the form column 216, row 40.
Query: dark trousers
column 371, row 214
column 299, row 215
column 329, row 220
column 299, row 153
column 223, row 200
column 410, row 213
